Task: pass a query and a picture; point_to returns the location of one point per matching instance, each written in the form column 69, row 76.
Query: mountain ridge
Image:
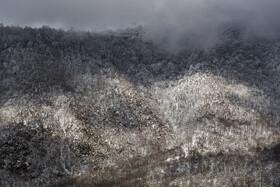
column 115, row 109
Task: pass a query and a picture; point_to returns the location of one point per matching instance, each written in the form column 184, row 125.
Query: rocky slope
column 112, row 109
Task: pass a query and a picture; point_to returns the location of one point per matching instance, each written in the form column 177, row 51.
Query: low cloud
column 173, row 21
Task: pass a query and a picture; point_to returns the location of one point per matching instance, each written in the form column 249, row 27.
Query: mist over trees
column 139, row 93
column 177, row 22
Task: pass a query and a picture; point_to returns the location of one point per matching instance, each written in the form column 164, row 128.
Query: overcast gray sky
column 171, row 19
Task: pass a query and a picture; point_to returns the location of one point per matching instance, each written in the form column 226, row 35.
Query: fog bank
column 175, row 22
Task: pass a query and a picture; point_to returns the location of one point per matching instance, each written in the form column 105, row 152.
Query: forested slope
column 112, row 108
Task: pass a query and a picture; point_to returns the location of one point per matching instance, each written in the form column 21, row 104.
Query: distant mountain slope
column 113, row 109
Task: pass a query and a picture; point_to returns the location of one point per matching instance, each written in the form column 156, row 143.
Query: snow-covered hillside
column 114, row 109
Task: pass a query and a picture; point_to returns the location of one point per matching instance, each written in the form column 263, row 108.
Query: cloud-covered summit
column 170, row 20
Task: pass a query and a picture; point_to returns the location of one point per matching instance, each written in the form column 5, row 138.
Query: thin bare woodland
column 115, row 109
